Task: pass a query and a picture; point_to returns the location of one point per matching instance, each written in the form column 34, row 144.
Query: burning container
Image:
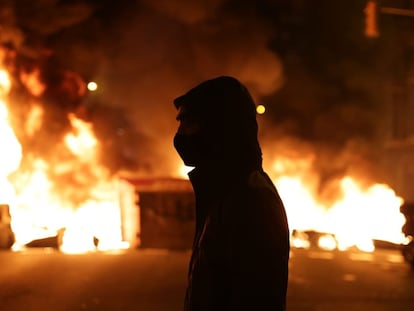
column 6, row 233
column 166, row 212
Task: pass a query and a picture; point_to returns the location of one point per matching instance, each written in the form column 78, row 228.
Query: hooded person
column 241, row 245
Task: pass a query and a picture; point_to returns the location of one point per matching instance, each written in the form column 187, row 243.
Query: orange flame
column 81, row 141
column 357, row 218
column 32, row 82
column 11, row 156
column 37, row 210
column 34, row 120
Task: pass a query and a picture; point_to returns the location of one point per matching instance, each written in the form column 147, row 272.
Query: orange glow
column 90, row 218
column 357, row 217
column 81, row 141
column 5, row 83
column 92, row 86
column 260, row 109
column 34, row 120
column 184, row 170
column 10, row 157
column 39, row 208
column 327, row 242
column 371, row 19
column 31, row 81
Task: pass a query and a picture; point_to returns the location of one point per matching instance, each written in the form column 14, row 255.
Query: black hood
column 227, row 114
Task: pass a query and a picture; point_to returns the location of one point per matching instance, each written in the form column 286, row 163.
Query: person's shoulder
column 262, row 190
column 259, row 181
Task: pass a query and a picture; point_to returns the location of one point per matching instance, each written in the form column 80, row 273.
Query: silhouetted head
column 217, row 125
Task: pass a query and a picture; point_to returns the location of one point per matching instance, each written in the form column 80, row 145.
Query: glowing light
column 260, row 109
column 303, row 211
column 371, row 19
column 32, row 82
column 184, row 170
column 300, row 240
column 357, row 217
column 11, row 155
column 70, row 196
column 327, row 242
column 5, row 83
column 34, row 120
column 41, row 206
column 81, row 141
column 92, row 86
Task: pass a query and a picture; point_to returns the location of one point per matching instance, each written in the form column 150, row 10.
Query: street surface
column 350, row 281
column 154, row 280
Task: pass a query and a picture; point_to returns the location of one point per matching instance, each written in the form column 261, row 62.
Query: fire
column 10, row 157
column 34, row 120
column 184, row 170
column 32, row 82
column 5, row 83
column 42, row 209
column 75, row 200
column 9, row 161
column 78, row 226
column 355, row 219
column 81, row 141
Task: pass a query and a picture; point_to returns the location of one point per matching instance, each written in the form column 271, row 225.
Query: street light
column 260, row 109
column 92, row 86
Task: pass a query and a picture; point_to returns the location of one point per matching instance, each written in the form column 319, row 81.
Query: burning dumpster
column 166, row 212
column 6, row 233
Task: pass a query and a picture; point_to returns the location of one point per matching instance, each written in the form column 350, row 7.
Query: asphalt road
column 351, row 281
column 154, row 280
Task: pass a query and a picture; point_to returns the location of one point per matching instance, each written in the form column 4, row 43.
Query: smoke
column 156, row 51
column 332, row 107
column 144, row 53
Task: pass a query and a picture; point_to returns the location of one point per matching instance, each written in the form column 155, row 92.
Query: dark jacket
column 241, row 245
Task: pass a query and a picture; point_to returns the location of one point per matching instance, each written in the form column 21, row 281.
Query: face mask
column 189, row 148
